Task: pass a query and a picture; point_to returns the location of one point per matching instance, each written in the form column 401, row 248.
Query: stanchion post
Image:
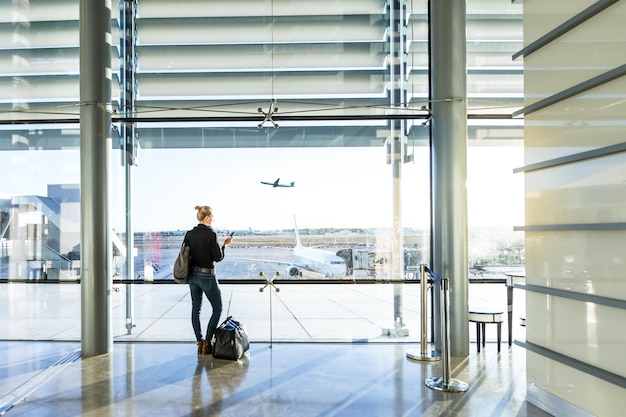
column 445, row 383
column 423, row 354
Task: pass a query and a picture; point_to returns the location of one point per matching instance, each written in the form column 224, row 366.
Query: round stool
column 482, row 316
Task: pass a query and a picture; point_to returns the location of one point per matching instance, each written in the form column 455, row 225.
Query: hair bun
column 197, row 207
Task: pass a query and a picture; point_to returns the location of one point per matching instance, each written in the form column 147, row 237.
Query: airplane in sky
column 278, row 184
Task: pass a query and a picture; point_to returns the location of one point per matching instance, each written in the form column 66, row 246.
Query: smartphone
column 231, row 234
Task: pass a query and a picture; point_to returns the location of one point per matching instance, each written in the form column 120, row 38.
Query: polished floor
column 317, row 350
column 281, row 379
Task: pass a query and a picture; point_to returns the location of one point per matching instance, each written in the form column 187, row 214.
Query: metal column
column 397, row 133
column 448, row 90
column 128, row 137
column 95, row 147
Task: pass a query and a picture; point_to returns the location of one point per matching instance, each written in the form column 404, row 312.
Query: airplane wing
column 273, row 184
column 293, row 269
column 278, row 184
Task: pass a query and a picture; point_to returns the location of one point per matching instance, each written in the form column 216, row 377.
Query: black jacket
column 203, row 247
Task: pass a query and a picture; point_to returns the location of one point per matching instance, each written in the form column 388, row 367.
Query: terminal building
column 41, row 235
column 492, row 128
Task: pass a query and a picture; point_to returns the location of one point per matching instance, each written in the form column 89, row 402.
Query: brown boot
column 206, row 348
column 200, row 346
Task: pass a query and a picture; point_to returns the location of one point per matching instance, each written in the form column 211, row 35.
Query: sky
column 339, row 187
column 334, row 187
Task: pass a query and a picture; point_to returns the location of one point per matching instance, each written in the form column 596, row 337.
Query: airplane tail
column 298, row 241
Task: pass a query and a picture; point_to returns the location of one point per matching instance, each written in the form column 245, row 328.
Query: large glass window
column 214, row 99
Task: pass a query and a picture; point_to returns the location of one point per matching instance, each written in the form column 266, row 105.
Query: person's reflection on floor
column 224, row 377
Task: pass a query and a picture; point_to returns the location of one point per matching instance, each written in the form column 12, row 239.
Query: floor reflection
column 286, row 379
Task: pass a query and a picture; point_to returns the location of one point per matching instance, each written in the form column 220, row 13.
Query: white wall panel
column 574, row 387
column 593, row 191
column 594, row 119
column 588, row 262
column 541, row 16
column 579, row 330
column 575, row 212
column 587, row 51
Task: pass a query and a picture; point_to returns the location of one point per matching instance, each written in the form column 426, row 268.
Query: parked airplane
column 278, row 184
column 274, row 232
column 310, row 259
column 316, row 260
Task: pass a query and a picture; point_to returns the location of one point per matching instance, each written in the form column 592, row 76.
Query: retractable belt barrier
column 423, row 354
column 445, row 382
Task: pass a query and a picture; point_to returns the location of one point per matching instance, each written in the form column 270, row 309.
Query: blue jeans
column 204, row 283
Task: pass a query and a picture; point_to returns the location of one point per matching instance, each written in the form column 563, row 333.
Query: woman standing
column 204, row 252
